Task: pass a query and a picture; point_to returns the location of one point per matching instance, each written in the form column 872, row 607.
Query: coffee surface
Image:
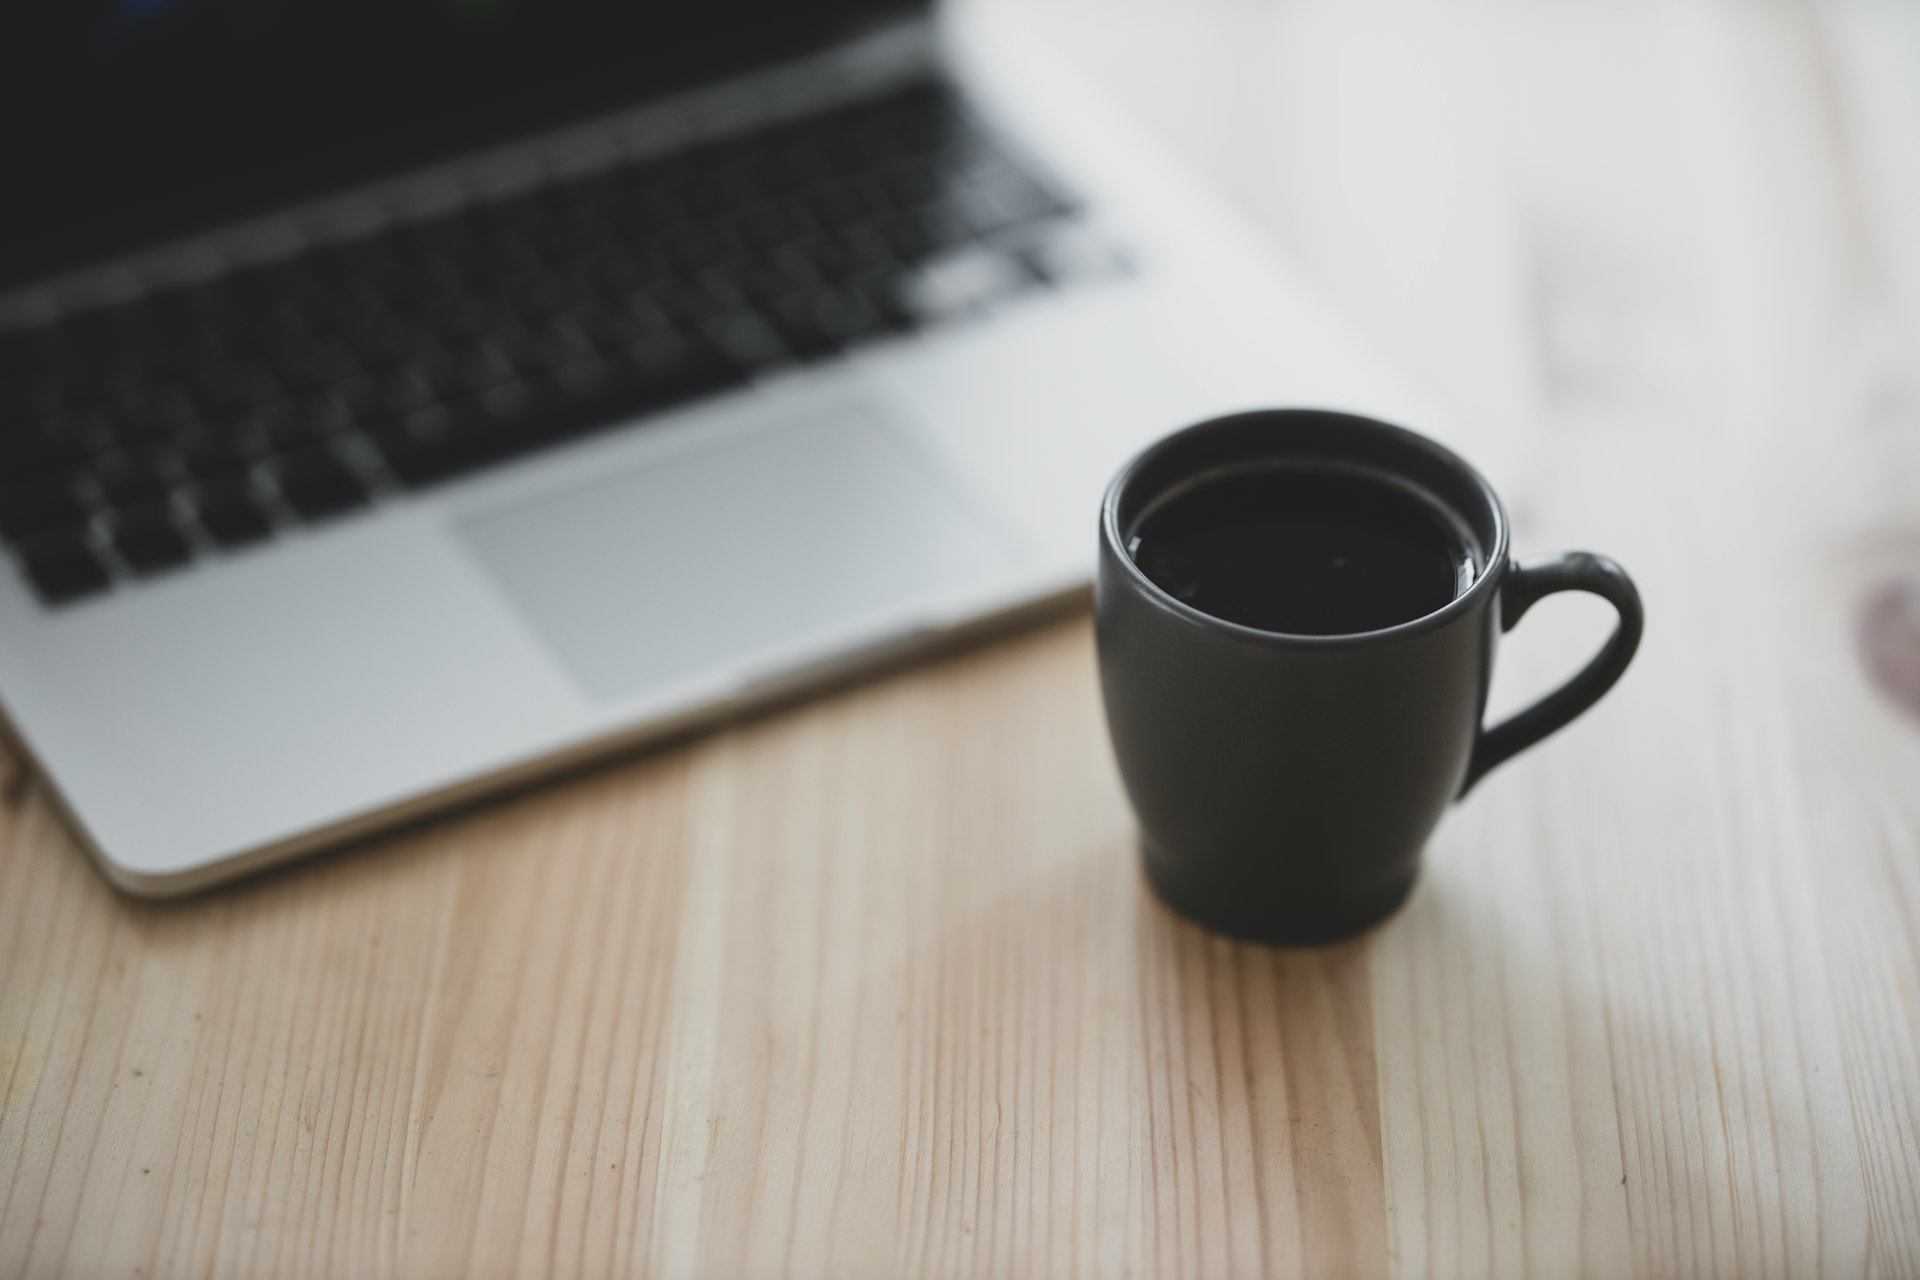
column 1304, row 550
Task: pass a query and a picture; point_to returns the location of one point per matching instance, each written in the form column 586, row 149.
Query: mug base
column 1233, row 916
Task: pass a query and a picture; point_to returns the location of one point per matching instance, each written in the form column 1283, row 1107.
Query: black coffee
column 1304, row 550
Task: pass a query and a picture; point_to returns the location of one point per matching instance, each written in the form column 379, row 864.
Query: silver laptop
column 399, row 401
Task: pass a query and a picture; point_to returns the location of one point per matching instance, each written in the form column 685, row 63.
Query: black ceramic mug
column 1285, row 784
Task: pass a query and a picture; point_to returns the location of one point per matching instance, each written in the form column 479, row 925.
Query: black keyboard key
column 315, row 483
column 39, row 507
column 194, row 350
column 891, row 299
column 586, row 378
column 532, row 294
column 154, row 414
column 130, row 479
column 413, row 385
column 823, row 320
column 38, row 454
column 378, row 344
column 842, row 203
column 225, row 389
column 509, row 401
column 42, row 390
column 81, row 430
column 436, row 443
column 439, row 423
column 520, row 348
column 787, row 161
column 686, row 304
column 63, row 569
column 525, row 415
column 229, row 513
column 767, row 227
column 305, row 366
column 861, row 135
column 747, row 341
column 694, row 247
column 210, row 456
column 604, row 330
column 549, row 346
column 762, row 280
column 416, row 463
column 614, row 270
column 929, row 231
column 670, row 368
column 837, row 258
column 463, row 318
column 235, row 445
column 364, row 400
column 288, row 425
column 148, row 540
column 321, row 416
column 483, row 367
column 911, row 183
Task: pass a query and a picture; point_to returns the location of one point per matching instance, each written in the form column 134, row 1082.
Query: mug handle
column 1528, row 581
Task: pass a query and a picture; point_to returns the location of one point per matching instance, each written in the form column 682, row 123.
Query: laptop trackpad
column 709, row 561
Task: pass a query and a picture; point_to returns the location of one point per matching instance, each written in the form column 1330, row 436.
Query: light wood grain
column 872, row 988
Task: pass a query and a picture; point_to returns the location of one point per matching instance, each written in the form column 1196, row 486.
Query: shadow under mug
column 1285, row 784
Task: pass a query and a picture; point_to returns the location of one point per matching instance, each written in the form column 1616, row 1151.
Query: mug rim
column 1114, row 546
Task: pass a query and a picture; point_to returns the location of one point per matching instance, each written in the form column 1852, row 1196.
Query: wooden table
column 872, row 988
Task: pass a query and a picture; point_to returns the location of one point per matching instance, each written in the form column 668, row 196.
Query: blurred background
column 1689, row 219
column 1647, row 256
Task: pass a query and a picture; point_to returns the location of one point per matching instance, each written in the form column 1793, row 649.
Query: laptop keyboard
column 139, row 437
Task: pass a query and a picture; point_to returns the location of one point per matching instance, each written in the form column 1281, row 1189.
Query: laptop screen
column 124, row 122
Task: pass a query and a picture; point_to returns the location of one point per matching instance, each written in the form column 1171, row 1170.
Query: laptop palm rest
column 720, row 560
